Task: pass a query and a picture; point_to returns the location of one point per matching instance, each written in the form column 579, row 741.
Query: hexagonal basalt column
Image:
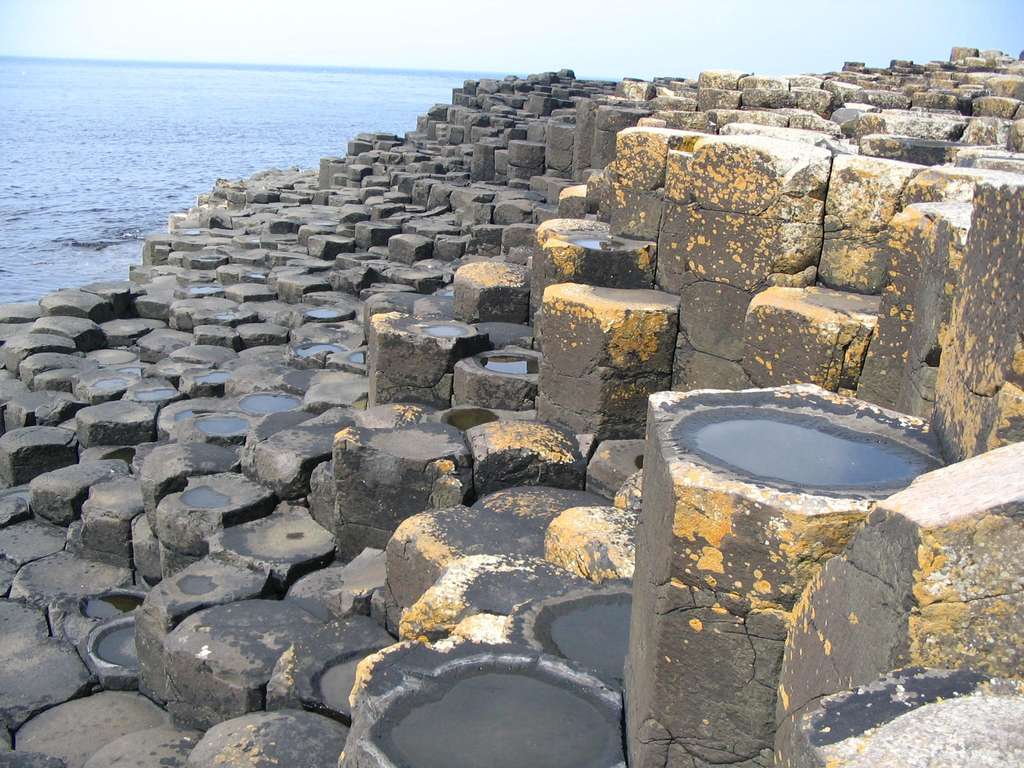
column 473, row 704
column 383, row 476
column 746, row 494
column 584, row 251
column 512, row 453
column 185, row 521
column 504, row 380
column 932, row 580
column 605, row 351
column 510, row 522
column 492, row 292
column 808, row 335
column 411, row 360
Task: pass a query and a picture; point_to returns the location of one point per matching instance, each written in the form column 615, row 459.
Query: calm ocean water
column 93, row 155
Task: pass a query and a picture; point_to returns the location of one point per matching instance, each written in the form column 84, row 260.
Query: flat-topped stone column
column 585, row 251
column 411, row 360
column 732, row 528
column 605, row 351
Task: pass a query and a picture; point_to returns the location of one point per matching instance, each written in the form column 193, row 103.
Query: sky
column 634, row 38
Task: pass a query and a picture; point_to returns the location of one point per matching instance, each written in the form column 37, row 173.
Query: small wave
column 98, row 245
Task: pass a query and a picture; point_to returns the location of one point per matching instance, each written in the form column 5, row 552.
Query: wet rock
column 317, row 674
column 271, row 739
column 549, row 713
column 384, row 476
column 287, row 544
column 219, row 660
column 76, row 730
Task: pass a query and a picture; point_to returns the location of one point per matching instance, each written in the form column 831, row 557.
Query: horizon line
column 263, row 65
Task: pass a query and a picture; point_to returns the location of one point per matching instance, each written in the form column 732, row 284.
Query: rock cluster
column 458, row 438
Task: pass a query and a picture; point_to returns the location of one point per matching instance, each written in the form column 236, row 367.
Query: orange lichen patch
column 595, row 543
column 551, row 445
column 490, row 274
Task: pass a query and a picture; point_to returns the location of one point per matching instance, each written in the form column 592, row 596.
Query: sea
column 94, row 155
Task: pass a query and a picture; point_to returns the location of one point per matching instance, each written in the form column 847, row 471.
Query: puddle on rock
column 469, row 418
column 110, row 606
column 501, row 720
column 195, row 585
column 336, row 684
column 221, row 425
column 799, row 450
column 118, row 647
column 510, row 364
column 261, row 404
column 445, row 330
column 592, row 631
column 204, row 497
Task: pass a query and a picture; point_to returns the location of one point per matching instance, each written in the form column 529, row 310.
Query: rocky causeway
column 666, row 423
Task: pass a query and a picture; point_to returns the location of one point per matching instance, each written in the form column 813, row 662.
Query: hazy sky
column 638, row 38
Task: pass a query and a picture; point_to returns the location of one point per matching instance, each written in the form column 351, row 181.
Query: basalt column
column 605, row 351
column 730, row 531
column 979, row 400
column 741, row 214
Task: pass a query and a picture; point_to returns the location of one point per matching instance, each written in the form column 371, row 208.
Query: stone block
column 926, row 250
column 584, row 251
column 808, row 335
column 863, row 195
column 492, row 292
column 515, row 453
column 411, row 360
column 979, row 399
column 911, row 717
column 384, row 476
column 605, row 351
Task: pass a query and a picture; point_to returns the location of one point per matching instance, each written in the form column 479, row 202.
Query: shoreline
column 402, row 444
